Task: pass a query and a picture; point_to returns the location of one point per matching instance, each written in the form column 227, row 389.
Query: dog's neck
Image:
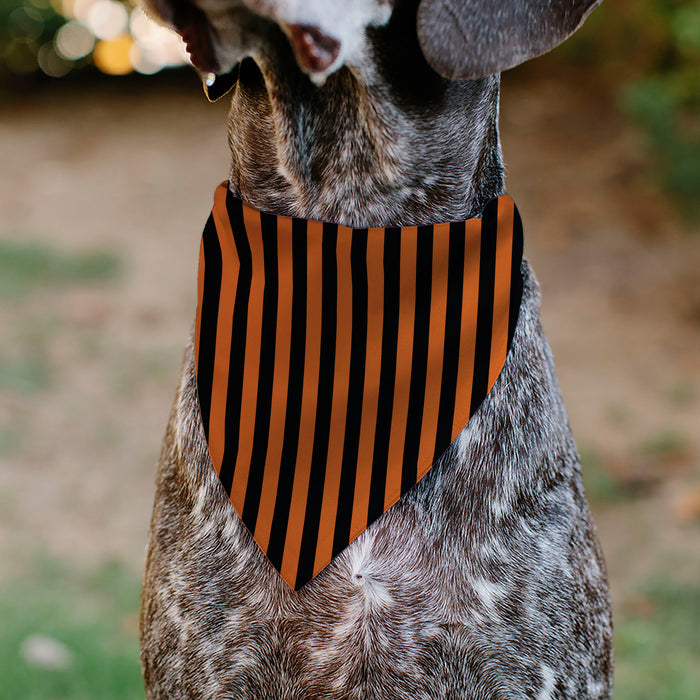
column 386, row 143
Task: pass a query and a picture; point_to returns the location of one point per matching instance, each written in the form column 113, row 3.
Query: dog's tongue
column 314, row 50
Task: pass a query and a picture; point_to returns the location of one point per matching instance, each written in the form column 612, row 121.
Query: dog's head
column 460, row 39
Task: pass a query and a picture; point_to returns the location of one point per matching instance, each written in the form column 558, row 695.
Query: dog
column 486, row 579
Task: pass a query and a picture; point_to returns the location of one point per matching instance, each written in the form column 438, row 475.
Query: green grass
column 95, row 618
column 25, row 267
column 602, row 487
column 658, row 652
column 24, row 376
column 681, row 394
column 666, row 444
column 8, row 440
column 607, row 484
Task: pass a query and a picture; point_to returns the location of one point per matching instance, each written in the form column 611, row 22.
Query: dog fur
column 486, row 580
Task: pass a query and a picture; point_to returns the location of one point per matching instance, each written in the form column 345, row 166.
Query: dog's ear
column 472, row 38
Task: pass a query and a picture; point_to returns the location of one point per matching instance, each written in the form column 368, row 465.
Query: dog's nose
column 314, row 50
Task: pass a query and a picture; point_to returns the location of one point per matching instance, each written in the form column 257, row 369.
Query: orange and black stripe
column 336, row 365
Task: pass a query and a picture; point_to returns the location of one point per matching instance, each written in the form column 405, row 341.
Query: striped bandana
column 336, row 365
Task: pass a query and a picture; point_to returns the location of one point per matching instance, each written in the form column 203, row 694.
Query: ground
column 105, row 191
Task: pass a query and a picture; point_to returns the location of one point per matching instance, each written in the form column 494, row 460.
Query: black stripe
column 387, row 374
column 209, row 315
column 419, row 363
column 324, row 402
column 239, row 330
column 266, row 371
column 484, row 317
column 453, row 325
column 292, row 420
column 516, row 277
column 356, row 390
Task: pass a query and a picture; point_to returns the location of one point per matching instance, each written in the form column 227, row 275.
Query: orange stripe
column 467, row 338
column 341, row 378
column 224, row 329
column 280, row 384
column 251, row 220
column 501, row 306
column 404, row 358
column 375, row 320
column 200, row 294
column 312, row 363
column 436, row 347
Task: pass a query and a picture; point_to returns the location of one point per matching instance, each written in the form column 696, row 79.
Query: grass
column 25, row 267
column 665, row 445
column 8, row 440
column 658, row 649
column 94, row 618
column 638, row 472
column 681, row 394
column 602, row 487
column 25, row 376
column 657, row 638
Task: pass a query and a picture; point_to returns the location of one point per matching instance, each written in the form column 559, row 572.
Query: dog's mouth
column 315, row 51
column 216, row 86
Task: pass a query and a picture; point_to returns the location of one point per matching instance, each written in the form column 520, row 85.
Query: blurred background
column 110, row 154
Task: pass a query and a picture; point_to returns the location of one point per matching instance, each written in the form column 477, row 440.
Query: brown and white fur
column 486, row 580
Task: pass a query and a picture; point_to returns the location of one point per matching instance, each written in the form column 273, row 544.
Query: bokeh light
column 112, row 56
column 52, row 63
column 20, row 55
column 58, row 36
column 107, row 19
column 26, row 20
column 73, row 41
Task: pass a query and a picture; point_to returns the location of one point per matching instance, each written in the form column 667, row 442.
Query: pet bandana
column 336, row 365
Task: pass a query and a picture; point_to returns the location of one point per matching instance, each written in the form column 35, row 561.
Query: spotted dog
column 485, row 580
